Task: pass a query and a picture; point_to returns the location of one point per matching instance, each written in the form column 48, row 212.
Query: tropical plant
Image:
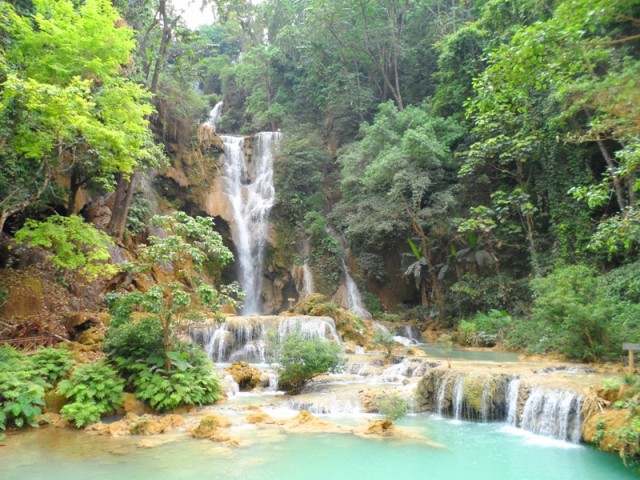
column 383, row 338
column 74, row 244
column 92, row 390
column 180, row 255
column 391, row 405
column 300, row 360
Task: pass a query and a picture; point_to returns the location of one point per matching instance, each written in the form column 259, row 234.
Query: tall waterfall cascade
column 249, row 188
column 214, row 116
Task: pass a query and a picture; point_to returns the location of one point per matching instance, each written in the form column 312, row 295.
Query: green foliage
column 383, row 338
column 577, row 313
column 133, row 341
column 75, row 244
column 446, row 340
column 485, row 329
column 22, row 390
column 189, row 245
column 392, row 405
column 92, row 390
column 52, row 364
column 302, row 359
column 64, row 103
column 300, row 173
column 167, row 390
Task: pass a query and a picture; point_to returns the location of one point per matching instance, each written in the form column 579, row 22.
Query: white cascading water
column 214, row 116
column 354, row 298
column 458, row 397
column 485, row 405
column 513, row 395
column 308, row 287
column 441, row 393
column 247, row 338
column 554, row 413
column 249, row 188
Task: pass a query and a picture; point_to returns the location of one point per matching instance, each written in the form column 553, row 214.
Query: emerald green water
column 470, row 451
column 439, row 351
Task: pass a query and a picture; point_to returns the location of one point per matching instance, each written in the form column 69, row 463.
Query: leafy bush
column 382, row 338
column 302, row 359
column 21, row 390
column 75, row 244
column 485, row 329
column 93, row 390
column 579, row 314
column 167, row 390
column 52, row 364
column 391, row 405
column 133, row 340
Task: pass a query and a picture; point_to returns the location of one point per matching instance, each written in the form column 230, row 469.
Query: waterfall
column 247, row 338
column 249, row 188
column 458, row 397
column 308, row 286
column 513, row 395
column 214, row 116
column 354, row 299
column 554, row 413
column 442, row 394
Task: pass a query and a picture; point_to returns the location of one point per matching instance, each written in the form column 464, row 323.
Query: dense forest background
column 486, row 152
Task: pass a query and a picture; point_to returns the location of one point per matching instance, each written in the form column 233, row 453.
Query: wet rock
column 259, row 418
column 246, row 376
column 53, row 402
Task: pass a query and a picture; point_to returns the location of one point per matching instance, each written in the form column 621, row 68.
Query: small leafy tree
column 74, row 244
column 447, row 342
column 176, row 262
column 391, row 405
column 382, row 338
column 302, row 359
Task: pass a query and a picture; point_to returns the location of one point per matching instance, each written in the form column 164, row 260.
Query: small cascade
column 354, row 298
column 441, row 396
column 458, row 397
column 340, row 403
column 485, row 405
column 407, row 368
column 247, row 338
column 249, row 188
column 554, row 413
column 513, row 395
column 214, row 116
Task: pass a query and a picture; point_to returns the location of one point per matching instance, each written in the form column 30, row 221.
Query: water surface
column 478, row 451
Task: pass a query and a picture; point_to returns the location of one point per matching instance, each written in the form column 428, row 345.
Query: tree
column 300, row 360
column 177, row 261
column 395, row 183
column 75, row 245
column 64, row 103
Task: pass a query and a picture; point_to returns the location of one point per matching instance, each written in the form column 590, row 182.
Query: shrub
column 580, row 314
column 302, row 359
column 133, row 341
column 52, row 364
column 391, row 405
column 485, row 329
column 167, row 390
column 382, row 338
column 93, row 390
column 21, row 390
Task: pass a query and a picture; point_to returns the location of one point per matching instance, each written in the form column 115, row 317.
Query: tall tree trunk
column 121, row 204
